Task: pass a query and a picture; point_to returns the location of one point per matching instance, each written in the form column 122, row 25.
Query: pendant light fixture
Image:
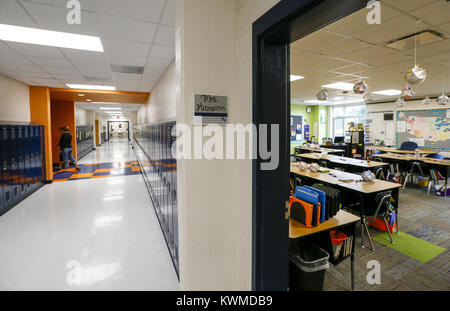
column 417, row 74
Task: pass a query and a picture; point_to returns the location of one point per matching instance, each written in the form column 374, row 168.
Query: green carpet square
column 411, row 246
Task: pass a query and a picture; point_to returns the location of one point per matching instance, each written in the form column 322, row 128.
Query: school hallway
column 87, row 233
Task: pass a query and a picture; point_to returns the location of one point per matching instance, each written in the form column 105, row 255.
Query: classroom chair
column 381, row 207
column 409, row 145
column 416, row 170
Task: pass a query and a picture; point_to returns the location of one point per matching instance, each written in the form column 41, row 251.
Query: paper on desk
column 448, row 113
column 401, row 126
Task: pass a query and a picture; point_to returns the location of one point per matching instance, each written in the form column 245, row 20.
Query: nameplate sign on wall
column 210, row 109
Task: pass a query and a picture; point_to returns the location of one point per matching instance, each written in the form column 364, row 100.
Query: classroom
column 370, row 131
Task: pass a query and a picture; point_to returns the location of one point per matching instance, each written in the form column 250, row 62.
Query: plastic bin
column 307, row 266
column 337, row 239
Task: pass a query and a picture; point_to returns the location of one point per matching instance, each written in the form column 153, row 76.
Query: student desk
column 395, row 150
column 350, row 164
column 364, row 190
column 442, row 166
column 306, row 149
column 341, row 220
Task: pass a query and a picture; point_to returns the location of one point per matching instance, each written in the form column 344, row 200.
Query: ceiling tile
column 125, row 47
column 316, row 40
column 36, row 50
column 54, row 18
column 11, row 59
column 127, row 29
column 432, row 49
column 4, row 49
column 168, row 17
column 86, row 5
column 83, row 55
column 159, row 51
column 52, row 70
column 445, row 28
column 390, row 30
column 343, row 47
column 366, row 55
column 158, row 62
column 357, row 21
column 123, row 77
column 142, row 10
column 406, row 5
column 91, row 66
column 44, row 61
column 435, row 14
column 165, row 35
column 68, row 77
column 12, row 14
column 127, row 60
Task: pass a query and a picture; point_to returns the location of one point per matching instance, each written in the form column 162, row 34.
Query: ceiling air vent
column 423, row 38
column 138, row 70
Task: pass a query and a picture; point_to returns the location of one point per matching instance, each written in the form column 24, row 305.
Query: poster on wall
column 296, row 128
column 306, row 132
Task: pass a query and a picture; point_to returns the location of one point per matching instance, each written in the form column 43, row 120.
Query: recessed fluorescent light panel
column 50, row 38
column 339, row 86
column 110, row 108
column 295, row 78
column 388, row 92
column 105, row 103
column 91, row 87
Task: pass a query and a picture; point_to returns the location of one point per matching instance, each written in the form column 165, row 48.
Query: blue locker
column 34, row 142
column 32, row 146
column 21, row 158
column 27, row 158
column 13, row 160
column 6, row 167
column 39, row 155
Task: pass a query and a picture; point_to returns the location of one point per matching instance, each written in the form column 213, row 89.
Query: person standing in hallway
column 65, row 143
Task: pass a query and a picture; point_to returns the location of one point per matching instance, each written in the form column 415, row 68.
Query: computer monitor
column 339, row 140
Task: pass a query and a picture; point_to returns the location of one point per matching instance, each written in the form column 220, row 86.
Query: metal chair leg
column 406, row 180
column 368, row 235
column 429, row 187
column 387, row 229
column 396, row 223
column 362, row 234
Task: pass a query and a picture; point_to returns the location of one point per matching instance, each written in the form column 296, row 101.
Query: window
column 343, row 115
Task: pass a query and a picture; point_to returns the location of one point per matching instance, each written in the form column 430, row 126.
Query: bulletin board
column 428, row 128
column 296, row 128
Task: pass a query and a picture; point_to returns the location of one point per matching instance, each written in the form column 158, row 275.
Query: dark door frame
column 286, row 22
column 123, row 122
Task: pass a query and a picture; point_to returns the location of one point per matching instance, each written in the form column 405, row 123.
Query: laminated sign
column 210, row 109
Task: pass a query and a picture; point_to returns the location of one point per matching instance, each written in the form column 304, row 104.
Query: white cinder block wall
column 14, row 100
column 214, row 56
column 161, row 104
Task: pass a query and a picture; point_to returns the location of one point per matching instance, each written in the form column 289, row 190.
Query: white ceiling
column 136, row 33
column 126, row 108
column 350, row 48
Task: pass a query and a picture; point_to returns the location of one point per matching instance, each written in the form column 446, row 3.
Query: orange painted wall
column 40, row 114
column 63, row 114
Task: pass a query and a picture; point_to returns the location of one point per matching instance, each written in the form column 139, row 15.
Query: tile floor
column 97, row 234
